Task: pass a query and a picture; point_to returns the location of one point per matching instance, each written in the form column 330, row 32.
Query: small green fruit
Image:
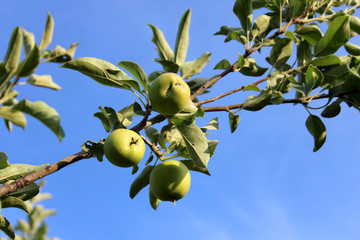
column 170, row 180
column 169, row 94
column 124, row 148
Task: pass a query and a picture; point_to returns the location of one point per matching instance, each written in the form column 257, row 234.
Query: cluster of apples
column 169, row 180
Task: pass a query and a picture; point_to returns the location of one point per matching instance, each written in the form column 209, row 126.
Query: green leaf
column 292, row 36
column 154, row 201
column 152, row 134
column 164, row 50
column 311, row 33
column 43, row 81
column 223, row 64
column 281, row 52
column 13, row 116
column 297, row 7
column 22, row 226
column 125, row 115
column 45, row 114
column 6, row 227
column 243, row 10
column 61, row 55
column 250, row 68
column 304, row 53
column 102, row 72
column 326, row 61
column 141, row 181
column 251, row 88
column 168, row 66
column 30, row 63
column 16, row 171
column 182, row 38
column 196, row 143
column 192, row 167
column 261, row 24
column 234, row 121
column 354, row 25
column 352, row 49
column 212, row 125
column 40, row 233
column 26, row 192
column 137, row 72
column 196, row 83
column 332, row 110
column 336, row 36
column 187, row 115
column 109, row 118
column 241, row 61
column 14, row 202
column 313, row 79
column 29, row 41
column 12, row 56
column 94, row 148
column 317, row 129
column 189, row 69
column 256, row 103
column 4, row 160
column 212, row 146
column 48, row 32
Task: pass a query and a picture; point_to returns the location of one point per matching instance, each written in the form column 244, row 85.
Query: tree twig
column 24, row 181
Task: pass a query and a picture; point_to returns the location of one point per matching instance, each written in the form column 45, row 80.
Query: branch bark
column 24, row 181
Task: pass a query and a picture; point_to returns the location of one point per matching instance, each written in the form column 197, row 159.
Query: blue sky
column 266, row 182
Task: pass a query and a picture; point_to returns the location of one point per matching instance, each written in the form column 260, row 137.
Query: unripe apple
column 124, row 148
column 169, row 94
column 170, row 180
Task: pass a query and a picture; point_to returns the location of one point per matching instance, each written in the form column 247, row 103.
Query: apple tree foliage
column 15, row 72
column 303, row 65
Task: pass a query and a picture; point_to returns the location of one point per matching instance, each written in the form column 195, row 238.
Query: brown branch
column 24, row 181
column 243, row 87
column 237, row 106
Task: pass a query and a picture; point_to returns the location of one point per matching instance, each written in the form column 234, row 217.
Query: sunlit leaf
column 192, row 167
column 13, row 52
column 29, row 41
column 15, row 171
column 311, row 33
column 14, row 202
column 182, row 38
column 43, row 81
column 13, row 116
column 189, row 69
column 196, row 143
column 164, row 50
column 136, row 71
column 336, row 36
column 6, row 227
column 48, row 32
column 45, row 114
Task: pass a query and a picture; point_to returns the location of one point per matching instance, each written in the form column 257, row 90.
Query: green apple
column 124, row 148
column 170, row 180
column 169, row 94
